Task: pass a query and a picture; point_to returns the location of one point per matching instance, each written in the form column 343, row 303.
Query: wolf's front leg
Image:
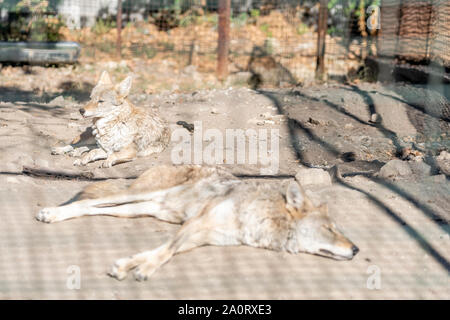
column 196, row 232
column 148, row 262
column 91, row 156
column 82, row 143
column 125, row 155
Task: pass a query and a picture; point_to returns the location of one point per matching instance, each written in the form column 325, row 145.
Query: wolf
column 120, row 131
column 214, row 208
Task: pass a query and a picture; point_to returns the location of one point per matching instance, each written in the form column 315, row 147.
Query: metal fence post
column 321, row 37
column 119, row 29
column 223, row 39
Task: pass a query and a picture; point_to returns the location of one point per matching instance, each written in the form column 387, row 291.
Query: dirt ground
column 399, row 222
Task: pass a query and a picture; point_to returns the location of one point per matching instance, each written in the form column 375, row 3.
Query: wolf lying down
column 214, row 208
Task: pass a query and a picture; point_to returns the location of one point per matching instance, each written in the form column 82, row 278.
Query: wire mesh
column 278, row 36
column 415, row 30
column 274, row 39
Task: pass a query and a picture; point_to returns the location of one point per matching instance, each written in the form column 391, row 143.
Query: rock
column 443, row 162
column 313, row 176
column 375, row 118
column 420, row 168
column 395, row 168
column 58, row 101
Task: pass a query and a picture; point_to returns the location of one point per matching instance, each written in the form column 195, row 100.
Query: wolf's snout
column 82, row 111
column 355, row 250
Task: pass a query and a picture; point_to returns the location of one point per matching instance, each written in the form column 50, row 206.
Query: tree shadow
column 80, row 92
column 414, row 234
column 416, row 105
column 377, row 124
column 34, row 108
column 293, row 126
column 265, row 70
column 32, row 102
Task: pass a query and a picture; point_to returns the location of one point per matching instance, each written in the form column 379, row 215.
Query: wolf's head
column 315, row 231
column 106, row 97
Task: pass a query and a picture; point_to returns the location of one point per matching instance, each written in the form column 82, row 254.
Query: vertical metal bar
column 119, row 29
column 223, row 39
column 321, row 37
column 362, row 29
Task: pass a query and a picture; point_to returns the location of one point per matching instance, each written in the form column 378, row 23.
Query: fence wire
column 416, row 30
column 277, row 38
column 173, row 45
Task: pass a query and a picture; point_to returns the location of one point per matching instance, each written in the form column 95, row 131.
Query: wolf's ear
column 294, row 195
column 124, row 87
column 105, row 79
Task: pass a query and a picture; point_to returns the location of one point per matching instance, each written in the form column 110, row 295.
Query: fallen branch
column 58, row 173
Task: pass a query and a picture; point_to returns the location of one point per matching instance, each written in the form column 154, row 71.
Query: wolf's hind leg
column 125, row 205
column 91, row 156
column 130, row 210
column 77, row 152
column 125, row 155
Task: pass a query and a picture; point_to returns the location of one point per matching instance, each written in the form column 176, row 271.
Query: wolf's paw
column 61, row 150
column 106, row 164
column 144, row 271
column 79, row 162
column 78, row 152
column 119, row 269
column 47, row 215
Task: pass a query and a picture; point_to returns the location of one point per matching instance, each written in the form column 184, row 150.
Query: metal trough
column 39, row 52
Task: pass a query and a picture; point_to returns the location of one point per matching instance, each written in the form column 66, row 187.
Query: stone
column 375, row 118
column 395, row 168
column 58, row 101
column 443, row 162
column 313, row 176
column 420, row 168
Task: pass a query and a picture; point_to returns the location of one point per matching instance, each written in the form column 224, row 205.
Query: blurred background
column 186, row 45
column 358, row 84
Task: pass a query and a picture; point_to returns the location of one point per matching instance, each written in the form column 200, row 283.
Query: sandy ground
column 400, row 224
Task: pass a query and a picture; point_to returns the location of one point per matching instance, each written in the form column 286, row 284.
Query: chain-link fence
column 276, row 39
column 416, row 30
column 396, row 216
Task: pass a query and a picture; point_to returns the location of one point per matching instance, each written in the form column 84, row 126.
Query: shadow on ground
column 294, row 126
